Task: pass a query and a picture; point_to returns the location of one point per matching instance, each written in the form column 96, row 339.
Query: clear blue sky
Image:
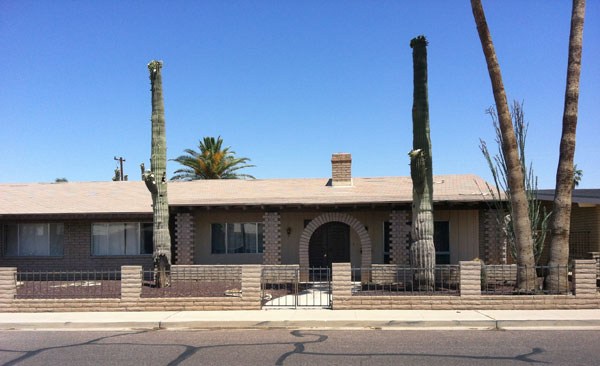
column 286, row 83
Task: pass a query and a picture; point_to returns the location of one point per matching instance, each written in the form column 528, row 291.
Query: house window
column 441, row 240
column 34, row 240
column 230, row 238
column 122, row 238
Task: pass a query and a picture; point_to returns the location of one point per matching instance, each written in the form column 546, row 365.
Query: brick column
column 251, row 275
column 341, row 283
column 184, row 238
column 8, row 285
column 399, row 234
column 584, row 278
column 470, row 278
column 131, row 283
column 272, row 238
column 494, row 245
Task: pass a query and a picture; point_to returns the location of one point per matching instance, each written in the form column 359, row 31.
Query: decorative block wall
column 470, row 278
column 131, row 283
column 596, row 257
column 584, row 278
column 184, row 238
column 399, row 237
column 8, row 285
column 584, row 286
column 341, row 281
column 493, row 245
column 251, row 292
column 272, row 238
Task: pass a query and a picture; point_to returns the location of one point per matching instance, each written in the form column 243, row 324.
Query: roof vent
column 341, row 169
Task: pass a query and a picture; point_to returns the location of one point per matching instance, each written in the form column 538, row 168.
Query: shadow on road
column 299, row 349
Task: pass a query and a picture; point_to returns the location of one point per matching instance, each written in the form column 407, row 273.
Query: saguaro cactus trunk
column 156, row 179
column 422, row 249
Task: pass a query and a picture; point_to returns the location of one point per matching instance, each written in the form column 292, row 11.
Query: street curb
column 64, row 325
column 329, row 324
column 306, row 324
column 562, row 323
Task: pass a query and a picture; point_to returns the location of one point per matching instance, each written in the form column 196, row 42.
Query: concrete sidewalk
column 307, row 318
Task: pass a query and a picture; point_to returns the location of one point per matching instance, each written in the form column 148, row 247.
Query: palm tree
column 577, row 175
column 561, row 217
column 519, row 203
column 211, row 162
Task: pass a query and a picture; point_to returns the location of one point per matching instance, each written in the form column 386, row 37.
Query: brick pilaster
column 341, row 282
column 399, row 234
column 251, row 275
column 131, row 283
column 272, row 238
column 470, row 278
column 584, row 278
column 184, row 238
column 493, row 248
column 8, row 285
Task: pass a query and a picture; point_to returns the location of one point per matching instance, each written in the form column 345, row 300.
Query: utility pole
column 121, row 160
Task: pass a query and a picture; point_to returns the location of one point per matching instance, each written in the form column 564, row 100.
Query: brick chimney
column 341, row 169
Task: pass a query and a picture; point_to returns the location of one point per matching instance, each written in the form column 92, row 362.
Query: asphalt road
column 300, row 347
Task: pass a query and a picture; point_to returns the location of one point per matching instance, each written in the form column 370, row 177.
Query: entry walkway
column 302, row 319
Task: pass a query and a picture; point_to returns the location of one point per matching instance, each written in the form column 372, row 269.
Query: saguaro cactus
column 156, row 179
column 422, row 249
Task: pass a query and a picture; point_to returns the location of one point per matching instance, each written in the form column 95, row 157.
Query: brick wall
column 130, row 300
column 184, row 238
column 585, row 297
column 470, row 294
column 77, row 253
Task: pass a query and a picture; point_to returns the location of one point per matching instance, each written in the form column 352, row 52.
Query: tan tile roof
column 133, row 197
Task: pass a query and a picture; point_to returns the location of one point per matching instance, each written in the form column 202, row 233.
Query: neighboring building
column 311, row 222
column 585, row 222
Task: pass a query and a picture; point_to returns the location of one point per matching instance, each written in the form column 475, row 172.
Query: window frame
column 227, row 252
column 139, row 237
column 18, row 225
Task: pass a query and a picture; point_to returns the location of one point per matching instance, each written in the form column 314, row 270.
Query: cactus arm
column 148, row 178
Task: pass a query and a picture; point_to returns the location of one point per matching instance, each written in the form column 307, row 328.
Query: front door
column 330, row 243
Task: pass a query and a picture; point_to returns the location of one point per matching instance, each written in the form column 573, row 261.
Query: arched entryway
column 330, row 243
column 357, row 226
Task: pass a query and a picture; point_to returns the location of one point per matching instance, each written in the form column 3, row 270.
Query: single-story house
column 584, row 236
column 310, row 222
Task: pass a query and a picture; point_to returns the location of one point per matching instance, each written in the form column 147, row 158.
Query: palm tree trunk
column 520, row 215
column 156, row 179
column 422, row 249
column 561, row 212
